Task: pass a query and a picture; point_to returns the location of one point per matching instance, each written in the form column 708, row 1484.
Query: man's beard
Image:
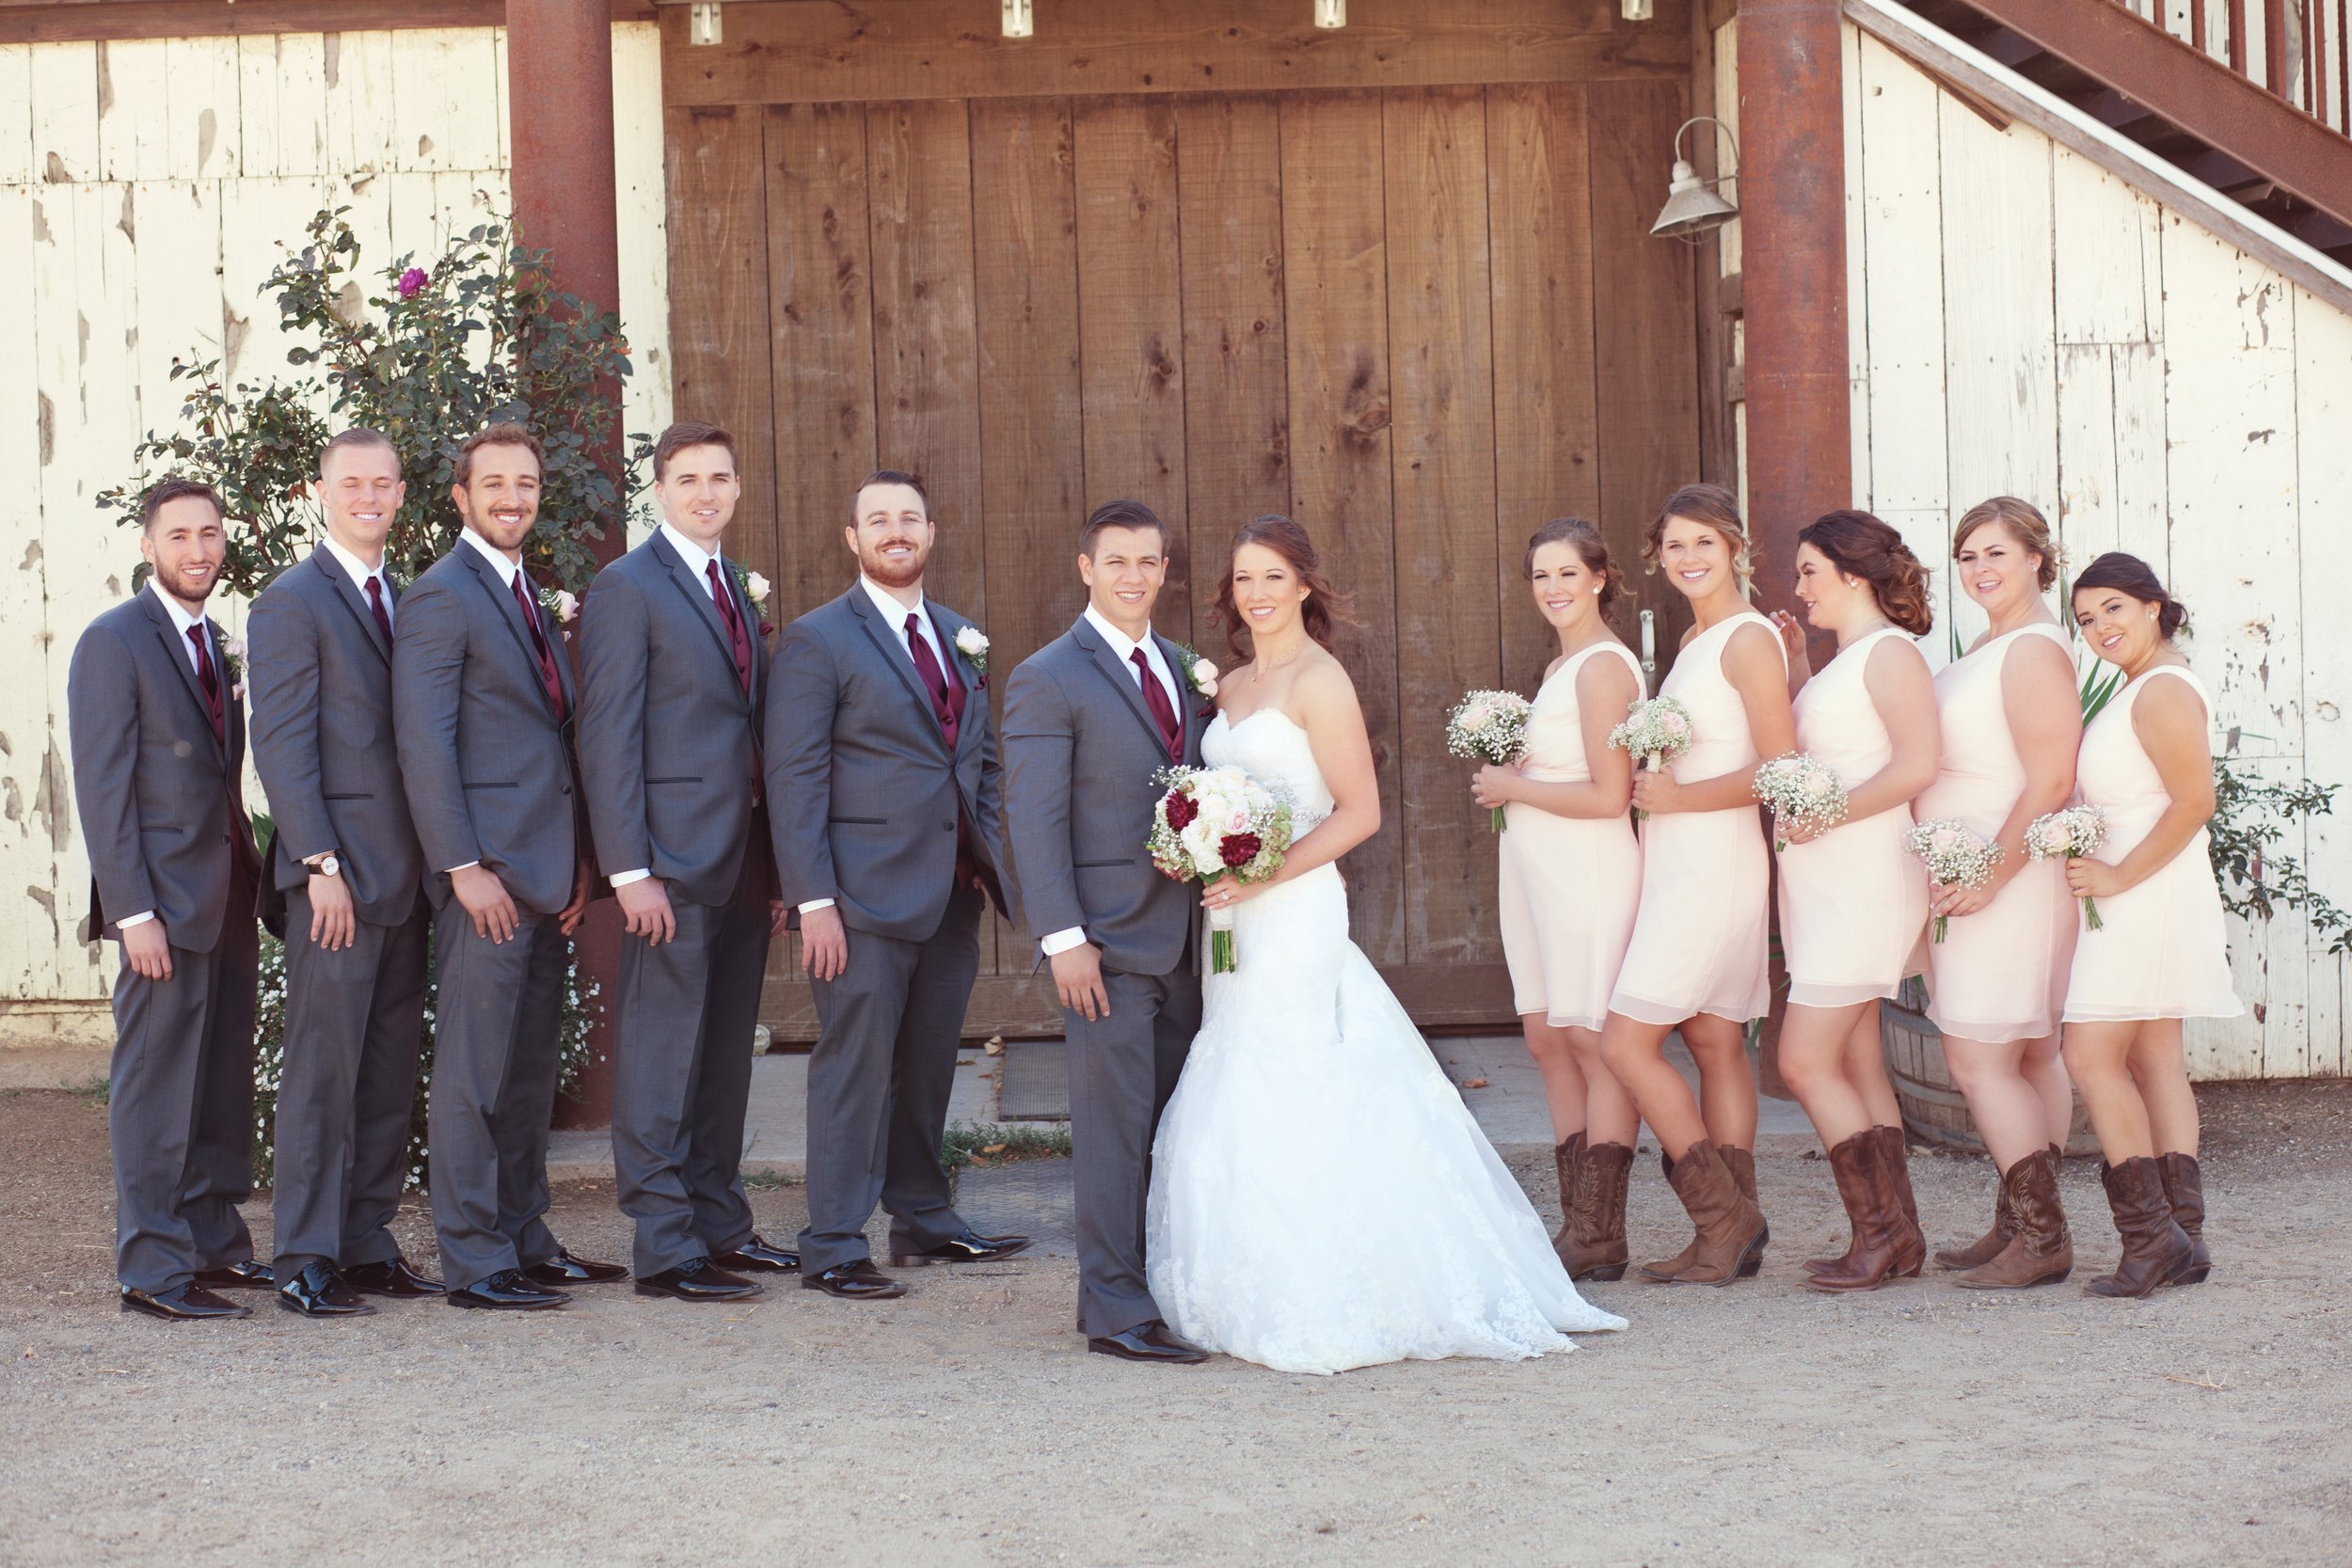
column 892, row 574
column 174, row 584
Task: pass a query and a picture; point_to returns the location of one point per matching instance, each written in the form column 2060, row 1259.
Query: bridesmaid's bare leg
column 1727, row 1078
column 2009, row 1112
column 2045, row 1070
column 2099, row 1057
column 1635, row 1054
column 1562, row 1075
column 2161, row 1070
column 1865, row 1069
column 1609, row 1113
column 1813, row 1052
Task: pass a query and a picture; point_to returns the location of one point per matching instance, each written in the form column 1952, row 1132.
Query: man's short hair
column 504, row 434
column 889, row 475
column 358, row 439
column 1121, row 514
column 172, row 489
column 685, row 434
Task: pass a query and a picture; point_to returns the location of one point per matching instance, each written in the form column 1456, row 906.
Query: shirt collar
column 179, row 617
column 894, row 613
column 697, row 558
column 507, row 570
column 1121, row 644
column 359, row 571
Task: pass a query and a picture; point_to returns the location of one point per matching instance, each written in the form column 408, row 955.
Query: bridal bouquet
column 2075, row 833
column 1954, row 856
column 1803, row 793
column 1489, row 726
column 1218, row 822
column 1655, row 731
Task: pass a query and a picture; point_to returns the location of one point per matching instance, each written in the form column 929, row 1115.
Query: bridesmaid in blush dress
column 1570, row 874
column 1697, row 957
column 1853, row 899
column 2011, row 719
column 2162, row 954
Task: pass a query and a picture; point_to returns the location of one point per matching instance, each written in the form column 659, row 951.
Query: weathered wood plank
column 1442, row 469
column 2323, row 383
column 65, row 115
column 178, row 290
column 2105, row 290
column 361, row 112
column 201, row 139
column 17, row 167
column 282, row 104
column 50, row 22
column 445, row 99
column 134, row 110
column 1857, row 270
column 38, row 956
column 642, row 217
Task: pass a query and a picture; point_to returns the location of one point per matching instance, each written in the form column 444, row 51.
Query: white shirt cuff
column 456, row 869
column 622, row 879
column 129, row 919
column 817, row 903
column 1062, row 941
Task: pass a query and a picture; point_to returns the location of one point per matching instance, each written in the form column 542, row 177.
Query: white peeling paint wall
column 146, row 189
column 2027, row 324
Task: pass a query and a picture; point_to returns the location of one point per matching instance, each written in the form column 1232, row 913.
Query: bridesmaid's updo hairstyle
column 1860, row 545
column 2128, row 575
column 1326, row 607
column 1590, row 547
column 2025, row 524
column 1714, row 506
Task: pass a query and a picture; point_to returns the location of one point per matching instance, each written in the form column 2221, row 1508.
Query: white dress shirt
column 1122, row 648
column 697, row 561
column 360, row 573
column 508, row 570
column 185, row 623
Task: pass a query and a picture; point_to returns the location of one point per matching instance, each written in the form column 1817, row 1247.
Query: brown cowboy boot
column 1564, row 1155
column 1742, row 1164
column 1595, row 1248
column 1988, row 1246
column 2157, row 1251
column 1911, row 1243
column 1729, row 1226
column 2184, row 1190
column 2039, row 1250
column 1872, row 1210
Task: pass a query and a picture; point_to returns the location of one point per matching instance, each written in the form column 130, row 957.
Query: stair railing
column 2298, row 50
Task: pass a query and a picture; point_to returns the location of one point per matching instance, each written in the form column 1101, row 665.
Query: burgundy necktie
column 209, row 677
column 548, row 677
column 737, row 642
column 934, row 680
column 376, row 608
column 1155, row 698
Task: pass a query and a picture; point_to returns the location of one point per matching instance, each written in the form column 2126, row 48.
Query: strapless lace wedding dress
column 1321, row 1199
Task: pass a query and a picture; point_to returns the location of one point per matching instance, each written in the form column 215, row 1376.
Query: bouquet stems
column 1943, row 923
column 1494, row 820
column 1221, row 938
column 2091, row 915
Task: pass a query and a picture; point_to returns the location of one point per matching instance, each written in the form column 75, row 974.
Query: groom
column 1089, row 719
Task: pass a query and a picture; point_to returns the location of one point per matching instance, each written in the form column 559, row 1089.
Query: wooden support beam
column 75, row 21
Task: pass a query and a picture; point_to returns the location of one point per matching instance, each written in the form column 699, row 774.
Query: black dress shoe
column 393, row 1278
column 700, row 1280
column 756, row 1253
column 970, row 1247
column 182, row 1304
column 251, row 1274
column 564, row 1268
column 506, row 1290
column 1152, row 1341
column 858, row 1281
column 319, row 1291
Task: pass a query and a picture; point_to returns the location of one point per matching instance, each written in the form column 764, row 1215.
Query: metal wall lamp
column 1696, row 206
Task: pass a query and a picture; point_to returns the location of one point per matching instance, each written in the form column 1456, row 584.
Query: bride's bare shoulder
column 1322, row 685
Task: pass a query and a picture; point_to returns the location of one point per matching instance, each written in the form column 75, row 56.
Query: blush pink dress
column 1699, row 935
column 2000, row 974
column 1852, row 901
column 2163, row 951
column 1568, row 885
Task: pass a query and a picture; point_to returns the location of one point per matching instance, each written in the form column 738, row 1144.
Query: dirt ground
column 1755, row 1425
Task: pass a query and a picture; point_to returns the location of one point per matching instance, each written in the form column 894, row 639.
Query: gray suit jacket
column 669, row 743
column 1081, row 752
column 488, row 768
column 324, row 742
column 862, row 792
column 159, row 794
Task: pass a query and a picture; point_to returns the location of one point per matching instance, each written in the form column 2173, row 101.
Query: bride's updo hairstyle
column 1590, row 547
column 1326, row 607
column 1860, row 546
column 2128, row 575
column 1715, row 507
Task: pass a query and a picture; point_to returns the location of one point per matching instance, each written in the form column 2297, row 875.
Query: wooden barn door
column 1421, row 322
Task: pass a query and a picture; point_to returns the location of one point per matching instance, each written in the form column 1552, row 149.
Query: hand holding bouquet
column 2075, row 834
column 1489, row 726
column 1654, row 732
column 1218, row 822
column 1803, row 793
column 1954, row 856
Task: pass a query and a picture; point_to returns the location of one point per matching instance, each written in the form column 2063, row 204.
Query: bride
column 1320, row 1197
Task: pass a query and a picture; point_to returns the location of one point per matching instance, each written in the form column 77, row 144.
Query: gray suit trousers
column 879, row 1082
column 1122, row 1069
column 682, row 1073
column 496, row 1047
column 180, row 1111
column 354, row 1023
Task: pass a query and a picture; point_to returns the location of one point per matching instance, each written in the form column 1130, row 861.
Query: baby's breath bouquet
column 1489, row 726
column 1803, row 793
column 1216, row 822
column 1655, row 731
column 1955, row 855
column 2075, row 834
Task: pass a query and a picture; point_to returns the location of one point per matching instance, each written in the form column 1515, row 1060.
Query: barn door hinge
column 1636, row 11
column 701, row 22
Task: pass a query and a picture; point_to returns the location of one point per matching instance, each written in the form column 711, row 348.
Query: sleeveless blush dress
column 1567, row 885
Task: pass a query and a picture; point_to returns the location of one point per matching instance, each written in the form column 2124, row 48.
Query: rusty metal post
column 559, row 77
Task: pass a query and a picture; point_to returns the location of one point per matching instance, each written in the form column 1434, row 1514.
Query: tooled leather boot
column 1988, row 1246
column 1565, row 1157
column 1871, row 1210
column 2040, row 1249
column 1595, row 1248
column 1742, row 1164
column 2184, row 1190
column 2157, row 1251
column 1729, row 1226
column 1911, row 1243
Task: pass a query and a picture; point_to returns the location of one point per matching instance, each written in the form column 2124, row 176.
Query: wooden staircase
column 2273, row 145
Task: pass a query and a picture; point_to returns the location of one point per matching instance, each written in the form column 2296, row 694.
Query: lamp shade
column 1691, row 209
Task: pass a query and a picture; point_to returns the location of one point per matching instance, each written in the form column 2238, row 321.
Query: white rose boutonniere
column 232, row 665
column 1198, row 673
column 561, row 607
column 755, row 590
column 974, row 646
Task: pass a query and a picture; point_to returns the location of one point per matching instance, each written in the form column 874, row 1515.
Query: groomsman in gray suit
column 482, row 701
column 154, row 703
column 1089, row 719
column 672, row 671
column 883, row 790
column 345, row 857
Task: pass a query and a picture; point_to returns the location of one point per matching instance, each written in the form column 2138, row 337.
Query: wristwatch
column 327, row 866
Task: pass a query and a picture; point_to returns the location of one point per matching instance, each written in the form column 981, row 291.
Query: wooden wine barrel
column 1934, row 1109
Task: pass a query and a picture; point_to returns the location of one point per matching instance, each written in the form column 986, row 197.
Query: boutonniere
column 755, row 590
column 973, row 648
column 1198, row 673
column 561, row 607
column 232, row 665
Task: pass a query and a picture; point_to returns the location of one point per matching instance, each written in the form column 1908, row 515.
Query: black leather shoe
column 564, row 1268
column 319, row 1291
column 970, row 1247
column 251, row 1274
column 1152, row 1341
column 756, row 1253
column 858, row 1281
column 395, row 1279
column 700, row 1280
column 183, row 1304
column 506, row 1290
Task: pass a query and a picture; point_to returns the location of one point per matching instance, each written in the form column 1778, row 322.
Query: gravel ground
column 1756, row 1425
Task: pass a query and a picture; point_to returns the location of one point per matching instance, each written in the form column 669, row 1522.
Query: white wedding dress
column 1321, row 1199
